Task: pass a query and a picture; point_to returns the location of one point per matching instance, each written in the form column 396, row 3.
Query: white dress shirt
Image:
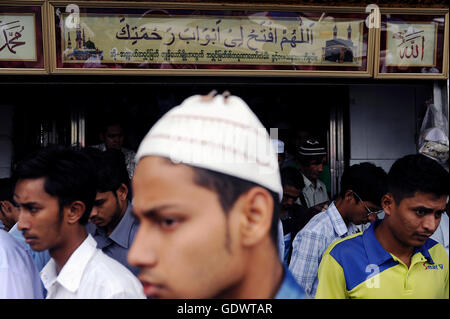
column 314, row 195
column 19, row 277
column 90, row 274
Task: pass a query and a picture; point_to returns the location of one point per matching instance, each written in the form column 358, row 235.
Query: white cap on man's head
column 219, row 133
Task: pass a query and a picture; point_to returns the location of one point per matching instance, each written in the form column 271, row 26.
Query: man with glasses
column 395, row 258
column 362, row 187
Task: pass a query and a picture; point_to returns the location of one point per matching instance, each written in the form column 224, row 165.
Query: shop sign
column 21, row 39
column 210, row 41
column 413, row 44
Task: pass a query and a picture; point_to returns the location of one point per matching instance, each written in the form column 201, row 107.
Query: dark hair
column 366, row 180
column 111, row 169
column 111, row 120
column 417, row 173
column 292, row 177
column 229, row 189
column 69, row 175
column 6, row 189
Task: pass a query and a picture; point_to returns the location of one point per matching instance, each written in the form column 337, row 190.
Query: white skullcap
column 278, row 146
column 218, row 133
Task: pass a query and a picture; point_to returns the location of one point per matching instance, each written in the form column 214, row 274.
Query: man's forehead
column 113, row 129
column 428, row 200
column 30, row 188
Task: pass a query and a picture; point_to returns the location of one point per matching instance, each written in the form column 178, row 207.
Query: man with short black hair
column 394, row 257
column 55, row 190
column 112, row 223
column 207, row 191
column 362, row 187
column 293, row 216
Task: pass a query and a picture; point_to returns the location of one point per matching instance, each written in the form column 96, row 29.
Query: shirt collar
column 72, row 272
column 424, row 251
column 309, row 184
column 121, row 234
column 336, row 219
column 377, row 254
column 306, row 181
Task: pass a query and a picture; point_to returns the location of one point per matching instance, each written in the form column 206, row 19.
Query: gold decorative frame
column 23, row 66
column 58, row 52
column 438, row 69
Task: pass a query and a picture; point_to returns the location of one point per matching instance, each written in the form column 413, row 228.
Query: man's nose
column 23, row 223
column 94, row 212
column 142, row 252
column 430, row 223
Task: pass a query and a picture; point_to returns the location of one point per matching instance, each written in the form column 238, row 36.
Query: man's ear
column 76, row 211
column 257, row 211
column 122, row 192
column 348, row 196
column 388, row 202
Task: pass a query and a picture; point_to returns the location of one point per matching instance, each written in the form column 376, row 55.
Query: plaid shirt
column 312, row 241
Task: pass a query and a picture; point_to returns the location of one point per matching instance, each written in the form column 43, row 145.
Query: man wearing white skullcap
column 206, row 191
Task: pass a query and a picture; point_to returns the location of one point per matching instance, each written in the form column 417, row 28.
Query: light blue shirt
column 117, row 244
column 40, row 258
column 311, row 242
column 290, row 289
column 281, row 243
column 19, row 277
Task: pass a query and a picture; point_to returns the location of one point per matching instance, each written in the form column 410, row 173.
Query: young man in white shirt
column 55, row 191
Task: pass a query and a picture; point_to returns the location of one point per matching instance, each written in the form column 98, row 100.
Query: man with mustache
column 111, row 222
column 394, row 257
column 55, row 192
column 207, row 192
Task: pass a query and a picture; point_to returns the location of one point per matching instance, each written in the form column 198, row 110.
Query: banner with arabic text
column 211, row 39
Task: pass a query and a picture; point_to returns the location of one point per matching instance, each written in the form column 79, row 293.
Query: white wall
column 383, row 123
column 6, row 146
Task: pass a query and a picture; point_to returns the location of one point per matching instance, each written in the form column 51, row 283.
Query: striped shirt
column 312, row 241
column 314, row 195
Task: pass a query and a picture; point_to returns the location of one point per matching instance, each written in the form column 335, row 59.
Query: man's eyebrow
column 155, row 211
column 28, row 205
column 426, row 209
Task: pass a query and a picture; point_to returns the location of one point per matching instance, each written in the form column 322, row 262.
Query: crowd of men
column 212, row 212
